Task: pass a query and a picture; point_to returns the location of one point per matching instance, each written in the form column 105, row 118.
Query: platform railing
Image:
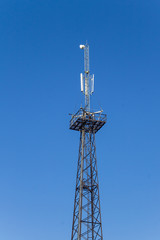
column 93, row 116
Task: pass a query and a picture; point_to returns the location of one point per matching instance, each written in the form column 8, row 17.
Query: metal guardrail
column 95, row 116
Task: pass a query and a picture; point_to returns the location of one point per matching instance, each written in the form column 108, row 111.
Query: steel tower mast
column 87, row 215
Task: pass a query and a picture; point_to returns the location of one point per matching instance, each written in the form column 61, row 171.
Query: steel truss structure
column 87, row 215
column 87, row 223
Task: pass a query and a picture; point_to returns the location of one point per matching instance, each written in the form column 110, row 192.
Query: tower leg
column 87, row 215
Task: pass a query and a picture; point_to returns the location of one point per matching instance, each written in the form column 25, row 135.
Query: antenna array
column 86, row 80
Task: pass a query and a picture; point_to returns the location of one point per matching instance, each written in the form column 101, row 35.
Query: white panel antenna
column 92, row 84
column 82, row 84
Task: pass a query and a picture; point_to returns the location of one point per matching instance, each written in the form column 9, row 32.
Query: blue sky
column 40, row 63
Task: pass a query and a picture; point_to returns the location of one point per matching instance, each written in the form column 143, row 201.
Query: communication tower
column 87, row 215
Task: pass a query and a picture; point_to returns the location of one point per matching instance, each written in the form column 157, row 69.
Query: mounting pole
column 86, row 76
column 88, row 80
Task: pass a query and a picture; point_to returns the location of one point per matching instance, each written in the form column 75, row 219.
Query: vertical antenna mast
column 86, row 76
column 88, row 80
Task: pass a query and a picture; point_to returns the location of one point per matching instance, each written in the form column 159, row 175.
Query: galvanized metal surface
column 87, row 215
column 87, row 223
column 92, row 121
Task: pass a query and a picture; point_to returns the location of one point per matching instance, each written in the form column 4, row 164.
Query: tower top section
column 86, row 80
column 84, row 119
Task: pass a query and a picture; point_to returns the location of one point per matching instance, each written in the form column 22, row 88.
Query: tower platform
column 89, row 121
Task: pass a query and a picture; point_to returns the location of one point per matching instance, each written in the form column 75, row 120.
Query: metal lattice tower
column 87, row 215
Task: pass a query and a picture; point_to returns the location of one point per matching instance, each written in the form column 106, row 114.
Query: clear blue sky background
column 40, row 63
